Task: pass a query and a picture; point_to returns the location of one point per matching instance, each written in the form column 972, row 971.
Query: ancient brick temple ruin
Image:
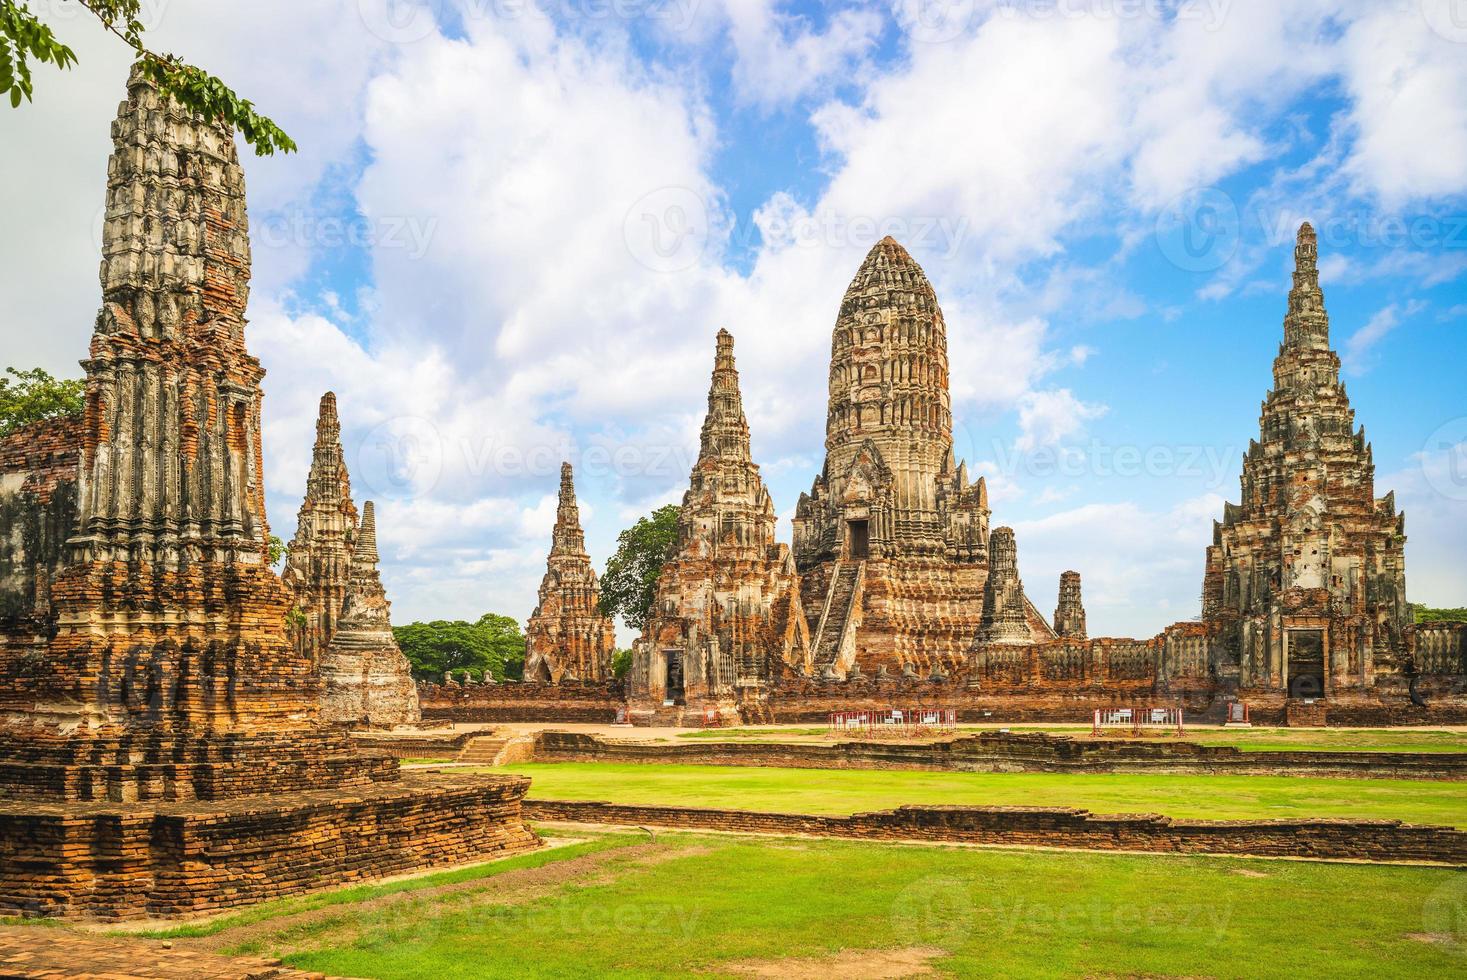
column 727, row 617
column 1306, row 577
column 892, row 539
column 568, row 637
column 318, row 561
column 367, row 679
column 907, row 599
column 161, row 744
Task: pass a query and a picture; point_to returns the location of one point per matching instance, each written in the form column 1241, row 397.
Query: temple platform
column 176, row 859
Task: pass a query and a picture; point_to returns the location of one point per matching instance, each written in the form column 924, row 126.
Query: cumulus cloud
column 549, row 245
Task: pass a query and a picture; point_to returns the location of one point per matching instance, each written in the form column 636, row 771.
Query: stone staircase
column 497, row 748
column 836, row 620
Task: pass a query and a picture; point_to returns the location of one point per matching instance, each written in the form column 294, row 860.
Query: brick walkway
column 37, row 951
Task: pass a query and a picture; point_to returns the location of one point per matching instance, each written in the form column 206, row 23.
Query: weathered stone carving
column 368, row 680
column 1069, row 614
column 892, row 539
column 1005, row 612
column 567, row 636
column 727, row 615
column 1306, row 576
column 318, row 562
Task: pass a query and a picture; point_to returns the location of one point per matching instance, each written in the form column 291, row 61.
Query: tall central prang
column 892, row 539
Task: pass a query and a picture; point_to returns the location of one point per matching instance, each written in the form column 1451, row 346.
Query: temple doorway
column 1306, row 663
column 674, row 690
column 860, row 539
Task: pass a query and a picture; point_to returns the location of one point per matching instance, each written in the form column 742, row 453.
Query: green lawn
column 1246, row 739
column 691, row 905
column 842, row 791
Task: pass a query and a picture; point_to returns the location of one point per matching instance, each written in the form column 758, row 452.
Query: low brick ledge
column 1008, row 752
column 1381, row 841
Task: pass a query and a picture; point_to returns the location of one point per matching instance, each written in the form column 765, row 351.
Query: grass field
column 1246, row 739
column 711, row 905
column 842, row 791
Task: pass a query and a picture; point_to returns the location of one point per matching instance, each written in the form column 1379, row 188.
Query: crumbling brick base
column 176, row 859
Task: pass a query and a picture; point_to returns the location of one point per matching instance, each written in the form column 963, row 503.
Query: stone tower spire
column 1309, row 535
column 725, row 430
column 728, row 601
column 368, row 680
column 318, row 561
column 1005, row 612
column 169, row 549
column 567, row 635
column 1069, row 615
column 568, row 539
column 888, row 378
column 1306, row 325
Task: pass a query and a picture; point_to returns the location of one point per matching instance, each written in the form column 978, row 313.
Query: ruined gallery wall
column 38, row 468
column 575, row 701
column 1368, row 840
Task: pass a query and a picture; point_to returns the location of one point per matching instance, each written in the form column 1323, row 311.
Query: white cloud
column 782, row 57
column 1360, row 344
column 1049, row 417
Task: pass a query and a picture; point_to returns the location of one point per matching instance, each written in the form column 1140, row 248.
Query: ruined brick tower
column 1008, row 617
column 567, row 636
column 318, row 563
column 368, row 680
column 1305, row 578
column 892, row 539
column 167, row 614
column 727, row 615
column 1069, row 614
column 163, row 753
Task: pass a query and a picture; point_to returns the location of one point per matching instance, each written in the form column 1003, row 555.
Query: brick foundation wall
column 1008, row 752
column 1361, row 840
column 175, row 860
column 573, row 701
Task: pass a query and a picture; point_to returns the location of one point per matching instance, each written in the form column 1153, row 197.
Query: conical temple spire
column 1306, row 325
column 568, row 538
column 328, row 482
column 365, row 552
column 725, row 429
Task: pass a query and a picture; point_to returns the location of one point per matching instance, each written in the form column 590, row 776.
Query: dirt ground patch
column 854, row 964
column 342, row 924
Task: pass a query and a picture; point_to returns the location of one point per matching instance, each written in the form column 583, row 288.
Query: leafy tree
column 630, row 582
column 493, row 645
column 34, row 395
column 507, row 642
column 1425, row 615
column 621, row 663
column 276, row 549
column 23, row 37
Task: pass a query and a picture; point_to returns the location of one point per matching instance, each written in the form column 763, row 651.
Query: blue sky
column 513, row 231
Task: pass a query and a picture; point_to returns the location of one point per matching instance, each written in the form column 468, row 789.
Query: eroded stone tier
column 727, row 611
column 318, row 564
column 1306, row 575
column 1005, row 610
column 889, row 460
column 1069, row 614
column 567, row 636
column 166, row 612
column 891, row 541
column 368, row 680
